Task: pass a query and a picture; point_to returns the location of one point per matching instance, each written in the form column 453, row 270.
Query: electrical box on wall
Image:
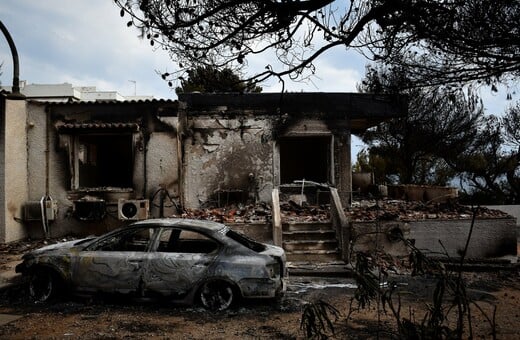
column 133, row 209
column 33, row 210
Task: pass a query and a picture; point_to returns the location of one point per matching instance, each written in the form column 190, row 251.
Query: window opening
column 134, row 240
column 105, row 161
column 185, row 241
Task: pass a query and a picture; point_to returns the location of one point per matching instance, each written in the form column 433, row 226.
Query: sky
column 87, row 43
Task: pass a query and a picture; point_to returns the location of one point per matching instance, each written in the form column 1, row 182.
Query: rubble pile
column 371, row 210
column 235, row 213
column 293, row 212
column 365, row 210
column 260, row 213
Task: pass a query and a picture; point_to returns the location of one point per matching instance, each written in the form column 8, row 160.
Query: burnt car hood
column 51, row 250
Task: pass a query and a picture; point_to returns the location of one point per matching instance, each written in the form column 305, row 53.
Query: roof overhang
column 361, row 109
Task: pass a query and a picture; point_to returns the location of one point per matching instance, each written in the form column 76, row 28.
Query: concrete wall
column 13, row 160
column 155, row 166
column 513, row 210
column 227, row 155
column 384, row 236
column 59, row 177
column 41, row 139
column 2, row 169
column 491, row 238
column 163, row 171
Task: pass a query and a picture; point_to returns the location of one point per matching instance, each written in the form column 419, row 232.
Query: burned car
column 185, row 260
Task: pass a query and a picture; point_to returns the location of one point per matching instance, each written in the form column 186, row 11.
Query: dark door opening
column 304, row 158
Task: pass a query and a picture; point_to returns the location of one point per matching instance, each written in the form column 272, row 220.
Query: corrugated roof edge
column 105, row 102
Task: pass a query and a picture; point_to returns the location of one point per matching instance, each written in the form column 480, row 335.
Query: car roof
column 203, row 225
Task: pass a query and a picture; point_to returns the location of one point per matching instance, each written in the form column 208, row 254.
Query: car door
column 114, row 263
column 181, row 259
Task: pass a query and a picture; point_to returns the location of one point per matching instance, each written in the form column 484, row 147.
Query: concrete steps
column 311, row 245
column 306, row 235
column 328, row 269
column 309, row 226
column 310, row 242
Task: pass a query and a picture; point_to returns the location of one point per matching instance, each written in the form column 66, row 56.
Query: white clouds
column 80, row 42
column 86, row 42
column 496, row 103
column 327, row 79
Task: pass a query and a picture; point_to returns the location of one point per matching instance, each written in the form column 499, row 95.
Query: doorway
column 306, row 158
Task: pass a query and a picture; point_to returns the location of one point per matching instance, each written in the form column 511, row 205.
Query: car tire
column 217, row 295
column 43, row 285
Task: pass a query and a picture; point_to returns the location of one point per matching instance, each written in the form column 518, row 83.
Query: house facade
column 87, row 167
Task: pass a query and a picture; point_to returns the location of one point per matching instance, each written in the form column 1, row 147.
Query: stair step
column 313, row 256
column 322, row 269
column 314, row 252
column 301, row 226
column 309, row 235
column 311, row 245
column 310, row 241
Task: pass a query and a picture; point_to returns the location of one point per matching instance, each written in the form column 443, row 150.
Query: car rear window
column 245, row 241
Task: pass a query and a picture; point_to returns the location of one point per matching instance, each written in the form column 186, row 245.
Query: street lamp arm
column 16, row 66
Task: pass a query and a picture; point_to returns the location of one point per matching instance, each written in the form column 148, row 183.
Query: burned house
column 84, row 167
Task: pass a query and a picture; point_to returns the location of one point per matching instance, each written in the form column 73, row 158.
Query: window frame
column 179, row 231
column 74, row 157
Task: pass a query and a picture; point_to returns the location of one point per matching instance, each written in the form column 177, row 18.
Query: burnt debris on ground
column 363, row 210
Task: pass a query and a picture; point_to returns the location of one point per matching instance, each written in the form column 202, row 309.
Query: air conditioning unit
column 33, row 210
column 132, row 209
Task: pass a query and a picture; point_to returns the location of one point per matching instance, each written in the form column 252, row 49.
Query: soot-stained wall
column 227, row 159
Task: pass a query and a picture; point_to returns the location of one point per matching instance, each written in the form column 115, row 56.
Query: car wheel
column 216, row 295
column 43, row 286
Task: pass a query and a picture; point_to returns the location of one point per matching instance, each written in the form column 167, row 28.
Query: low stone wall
column 385, row 235
column 491, row 238
column 513, row 210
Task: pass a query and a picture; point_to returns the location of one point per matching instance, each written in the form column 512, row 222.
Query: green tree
column 490, row 167
column 418, row 148
column 211, row 80
column 373, row 164
column 453, row 41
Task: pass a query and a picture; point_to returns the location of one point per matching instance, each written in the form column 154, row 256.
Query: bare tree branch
column 454, row 41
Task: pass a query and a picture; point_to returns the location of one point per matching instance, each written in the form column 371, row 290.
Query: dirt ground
column 124, row 317
column 128, row 318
